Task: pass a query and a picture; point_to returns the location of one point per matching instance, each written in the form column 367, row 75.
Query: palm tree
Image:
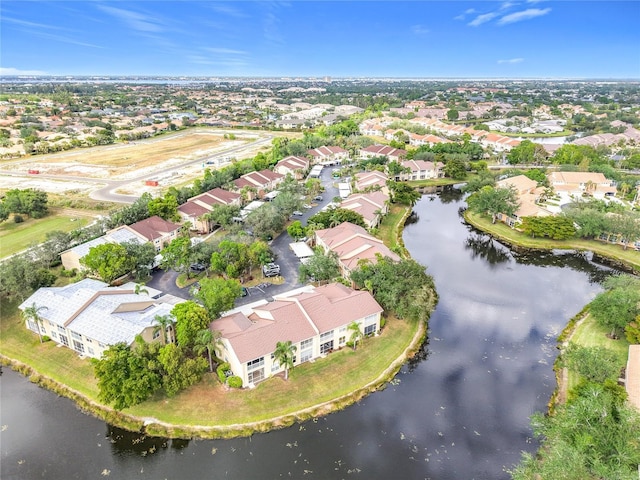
column 140, row 288
column 164, row 324
column 207, row 340
column 283, row 354
column 33, row 313
column 356, row 333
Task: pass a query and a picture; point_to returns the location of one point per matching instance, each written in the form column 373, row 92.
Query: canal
column 459, row 410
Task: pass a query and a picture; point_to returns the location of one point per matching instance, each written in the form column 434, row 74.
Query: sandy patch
column 46, row 185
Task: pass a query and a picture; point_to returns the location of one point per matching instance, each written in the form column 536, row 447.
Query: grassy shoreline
column 209, row 410
column 624, row 259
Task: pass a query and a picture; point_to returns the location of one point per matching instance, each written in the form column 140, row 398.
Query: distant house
column 393, row 154
column 194, row 209
column 417, row 140
column 294, row 166
column 328, row 155
column 528, row 195
column 371, row 180
column 372, row 206
column 314, row 319
column 352, row 244
column 89, row 316
column 421, row 170
column 261, row 182
column 578, row 184
column 154, row 229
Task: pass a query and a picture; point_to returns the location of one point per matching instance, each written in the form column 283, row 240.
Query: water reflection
column 486, row 248
column 458, row 410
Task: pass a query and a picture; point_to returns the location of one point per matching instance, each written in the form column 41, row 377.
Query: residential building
column 578, row 184
column 259, row 182
column 294, row 166
column 353, row 245
column 90, row 316
column 328, row 155
column 194, row 209
column 372, row 206
column 153, row 229
column 393, row 154
column 528, row 196
column 314, row 319
column 371, row 180
column 421, row 170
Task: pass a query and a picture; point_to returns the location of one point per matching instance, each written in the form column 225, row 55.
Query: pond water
column 459, row 410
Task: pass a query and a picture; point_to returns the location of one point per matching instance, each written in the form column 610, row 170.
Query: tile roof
column 154, row 227
column 294, row 316
column 385, row 150
column 325, row 151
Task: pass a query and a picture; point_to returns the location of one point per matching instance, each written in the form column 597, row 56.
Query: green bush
column 223, row 371
column 46, row 338
column 383, row 322
column 234, row 382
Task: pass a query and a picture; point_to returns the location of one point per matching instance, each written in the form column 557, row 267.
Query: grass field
column 390, row 230
column 15, row 237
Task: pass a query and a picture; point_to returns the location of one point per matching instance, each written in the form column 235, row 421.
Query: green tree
column 403, row 193
column 627, row 225
column 207, row 341
column 165, row 324
column 296, row 230
column 165, row 207
column 124, row 378
column 178, row 370
column 142, row 256
column 223, row 215
column 30, row 202
column 284, row 354
column 333, row 217
column 231, row 259
column 456, row 169
column 617, row 306
column 554, row 227
column 595, row 364
column 453, row 114
column 494, row 201
column 32, row 315
column 218, row 295
column 177, row 254
column 190, row 319
column 592, row 437
column 356, row 333
column 109, row 261
column 320, row 267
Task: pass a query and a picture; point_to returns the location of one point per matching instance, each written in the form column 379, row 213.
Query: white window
column 90, row 351
column 326, row 335
column 255, row 364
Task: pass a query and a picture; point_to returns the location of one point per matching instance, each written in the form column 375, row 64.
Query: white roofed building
column 89, row 316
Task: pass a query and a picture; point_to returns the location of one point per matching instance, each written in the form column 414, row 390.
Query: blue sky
column 482, row 39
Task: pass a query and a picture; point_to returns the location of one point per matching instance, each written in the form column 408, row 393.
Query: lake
column 459, row 410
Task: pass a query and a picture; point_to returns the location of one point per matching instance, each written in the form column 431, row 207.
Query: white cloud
column 419, row 29
column 17, row 71
column 136, row 21
column 512, row 60
column 225, row 51
column 523, row 15
column 227, row 10
column 480, row 19
column 468, row 11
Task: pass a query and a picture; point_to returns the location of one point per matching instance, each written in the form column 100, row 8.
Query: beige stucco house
column 314, row 319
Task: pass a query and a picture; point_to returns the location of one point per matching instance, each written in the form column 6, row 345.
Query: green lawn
column 15, row 237
column 589, row 334
column 503, row 232
column 390, row 230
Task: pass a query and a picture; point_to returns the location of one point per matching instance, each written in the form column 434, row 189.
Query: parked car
column 271, row 270
column 307, row 206
column 297, row 213
column 245, row 292
column 318, row 198
column 198, row 267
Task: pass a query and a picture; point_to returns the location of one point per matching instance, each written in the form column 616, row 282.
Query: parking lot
column 284, row 257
